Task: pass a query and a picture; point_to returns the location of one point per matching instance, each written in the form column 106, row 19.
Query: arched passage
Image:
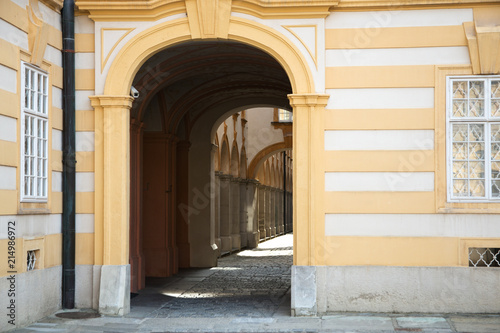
column 112, row 116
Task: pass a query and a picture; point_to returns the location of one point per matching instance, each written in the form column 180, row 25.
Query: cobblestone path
column 250, row 283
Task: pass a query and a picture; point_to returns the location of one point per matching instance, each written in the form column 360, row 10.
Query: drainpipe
column 68, row 216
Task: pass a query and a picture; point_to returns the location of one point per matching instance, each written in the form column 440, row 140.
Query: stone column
column 225, row 213
column 272, row 211
column 243, row 212
column 112, row 201
column 216, row 199
column 262, row 211
column 235, row 214
column 252, row 198
column 281, row 221
column 267, row 191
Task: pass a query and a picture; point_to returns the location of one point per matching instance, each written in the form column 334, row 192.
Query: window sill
column 28, row 208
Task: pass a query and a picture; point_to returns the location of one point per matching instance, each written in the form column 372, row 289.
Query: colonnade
column 248, row 211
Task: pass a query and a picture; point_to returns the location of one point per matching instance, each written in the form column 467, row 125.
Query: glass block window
column 474, row 138
column 285, row 116
column 34, row 129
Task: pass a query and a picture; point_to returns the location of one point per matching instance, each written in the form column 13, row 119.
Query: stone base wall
column 37, row 294
column 318, row 290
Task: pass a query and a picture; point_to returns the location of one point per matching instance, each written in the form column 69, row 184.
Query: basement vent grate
column 484, row 257
column 31, row 260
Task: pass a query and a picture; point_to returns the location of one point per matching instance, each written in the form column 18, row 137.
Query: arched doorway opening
column 184, row 91
column 112, row 119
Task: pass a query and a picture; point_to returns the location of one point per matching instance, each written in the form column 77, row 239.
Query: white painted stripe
column 380, row 98
column 413, row 225
column 57, row 97
column 13, row 35
column 82, row 99
column 85, row 60
column 84, row 141
column 53, row 55
column 84, row 223
column 379, row 181
column 85, row 182
column 31, row 225
column 380, row 140
column 56, row 139
column 56, row 181
column 50, row 16
column 402, row 18
column 84, row 25
column 8, row 79
column 8, row 178
column 453, row 55
column 8, row 129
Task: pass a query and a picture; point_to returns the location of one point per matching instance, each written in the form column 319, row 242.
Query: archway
column 112, row 115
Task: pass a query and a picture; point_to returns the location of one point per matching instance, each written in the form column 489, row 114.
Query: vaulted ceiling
column 196, row 77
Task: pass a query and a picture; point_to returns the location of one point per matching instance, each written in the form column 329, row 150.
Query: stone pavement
column 248, row 292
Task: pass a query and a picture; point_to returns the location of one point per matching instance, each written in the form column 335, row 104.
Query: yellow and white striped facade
column 373, row 228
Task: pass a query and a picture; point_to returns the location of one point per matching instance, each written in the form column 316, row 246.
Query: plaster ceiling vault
column 194, row 77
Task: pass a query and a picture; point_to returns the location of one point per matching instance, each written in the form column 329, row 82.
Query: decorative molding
column 293, row 30
column 483, row 38
column 308, row 100
column 135, row 10
column 104, row 59
column 273, row 9
column 405, row 4
column 150, row 10
column 209, row 19
column 38, row 33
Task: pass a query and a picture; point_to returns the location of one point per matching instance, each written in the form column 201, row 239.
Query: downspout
column 68, row 216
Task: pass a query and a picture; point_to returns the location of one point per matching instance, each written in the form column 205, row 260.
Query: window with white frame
column 284, row 116
column 473, row 114
column 34, row 129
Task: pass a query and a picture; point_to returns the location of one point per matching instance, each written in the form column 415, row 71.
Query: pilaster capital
column 236, row 179
column 308, row 100
column 107, row 101
column 253, row 181
column 225, row 177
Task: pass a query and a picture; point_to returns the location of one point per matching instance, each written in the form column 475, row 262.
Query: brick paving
column 249, row 291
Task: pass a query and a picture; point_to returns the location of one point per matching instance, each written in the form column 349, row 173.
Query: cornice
column 149, row 10
column 130, row 10
column 407, row 4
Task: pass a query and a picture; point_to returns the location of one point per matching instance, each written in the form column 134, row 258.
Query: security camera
column 134, row 92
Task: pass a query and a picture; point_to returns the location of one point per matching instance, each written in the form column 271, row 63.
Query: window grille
column 474, row 138
column 31, row 260
column 284, row 116
column 484, row 257
column 34, row 105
